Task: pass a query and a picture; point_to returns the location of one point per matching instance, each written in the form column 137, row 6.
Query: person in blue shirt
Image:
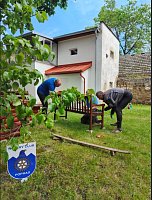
column 44, row 90
column 94, row 101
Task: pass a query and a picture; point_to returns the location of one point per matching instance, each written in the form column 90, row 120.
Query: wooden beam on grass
column 112, row 150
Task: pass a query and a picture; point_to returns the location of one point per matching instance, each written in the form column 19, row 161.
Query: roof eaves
column 89, row 31
column 47, row 72
column 64, row 72
column 34, row 33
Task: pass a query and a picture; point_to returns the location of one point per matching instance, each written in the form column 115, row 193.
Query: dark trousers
column 44, row 104
column 127, row 97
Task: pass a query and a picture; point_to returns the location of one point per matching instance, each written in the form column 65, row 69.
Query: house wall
column 85, row 46
column 96, row 48
column 68, row 81
column 86, row 52
column 108, row 56
column 74, row 80
column 41, row 67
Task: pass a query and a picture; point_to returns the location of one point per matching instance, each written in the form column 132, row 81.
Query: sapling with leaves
column 17, row 55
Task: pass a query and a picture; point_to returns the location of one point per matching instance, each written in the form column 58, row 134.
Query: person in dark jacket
column 116, row 99
column 44, row 90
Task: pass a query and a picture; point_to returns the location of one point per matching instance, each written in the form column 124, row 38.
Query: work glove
column 107, row 108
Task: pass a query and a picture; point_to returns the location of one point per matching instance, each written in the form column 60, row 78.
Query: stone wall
column 135, row 75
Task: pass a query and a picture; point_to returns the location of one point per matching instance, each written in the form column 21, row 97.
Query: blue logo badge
column 22, row 162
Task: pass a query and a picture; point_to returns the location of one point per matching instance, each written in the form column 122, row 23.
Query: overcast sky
column 78, row 15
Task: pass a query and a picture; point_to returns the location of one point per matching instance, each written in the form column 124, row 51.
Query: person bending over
column 44, row 90
column 116, row 99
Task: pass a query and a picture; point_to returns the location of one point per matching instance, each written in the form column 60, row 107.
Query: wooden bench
column 81, row 107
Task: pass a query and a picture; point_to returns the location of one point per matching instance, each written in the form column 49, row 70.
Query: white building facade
column 97, row 46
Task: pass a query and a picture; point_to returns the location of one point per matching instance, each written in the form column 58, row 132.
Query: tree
column 130, row 23
column 17, row 55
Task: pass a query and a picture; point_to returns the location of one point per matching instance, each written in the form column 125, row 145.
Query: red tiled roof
column 69, row 68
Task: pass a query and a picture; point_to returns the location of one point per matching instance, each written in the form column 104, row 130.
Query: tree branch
column 117, row 35
column 133, row 45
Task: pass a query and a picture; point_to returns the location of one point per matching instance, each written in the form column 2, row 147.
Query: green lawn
column 67, row 171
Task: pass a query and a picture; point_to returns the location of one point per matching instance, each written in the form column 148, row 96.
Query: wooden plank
column 112, row 150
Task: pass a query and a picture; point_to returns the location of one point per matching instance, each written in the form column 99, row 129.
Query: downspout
column 95, row 57
column 84, row 81
column 96, row 32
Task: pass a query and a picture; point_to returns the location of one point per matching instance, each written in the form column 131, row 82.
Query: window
column 74, row 51
column 111, row 54
column 46, row 42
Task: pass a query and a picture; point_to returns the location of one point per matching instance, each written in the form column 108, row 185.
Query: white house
column 84, row 59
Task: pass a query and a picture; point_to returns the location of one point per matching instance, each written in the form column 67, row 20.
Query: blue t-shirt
column 94, row 101
column 47, row 86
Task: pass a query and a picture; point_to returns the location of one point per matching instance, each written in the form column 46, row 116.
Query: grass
column 68, row 171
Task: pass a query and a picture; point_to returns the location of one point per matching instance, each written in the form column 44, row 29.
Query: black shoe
column 115, row 124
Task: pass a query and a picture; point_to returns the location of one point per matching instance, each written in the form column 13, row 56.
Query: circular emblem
column 22, row 164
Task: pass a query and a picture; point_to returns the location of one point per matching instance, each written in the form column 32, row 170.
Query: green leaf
column 10, row 121
column 36, row 82
column 29, row 111
column 15, row 147
column 20, row 58
column 90, row 92
column 2, row 29
column 57, row 115
column 21, row 112
column 61, row 110
column 3, row 111
column 16, row 103
column 49, row 123
column 15, row 85
column 44, row 15
column 18, row 6
column 24, row 131
column 33, row 120
column 21, row 41
column 28, row 44
column 40, row 118
column 6, row 76
column 39, row 17
column 51, row 107
column 46, row 48
column 32, row 101
column 52, row 56
column 47, row 98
